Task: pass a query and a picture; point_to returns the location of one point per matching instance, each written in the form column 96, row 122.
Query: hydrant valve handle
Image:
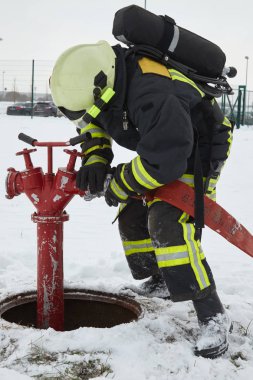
column 25, row 152
column 78, row 139
column 73, row 152
column 27, row 139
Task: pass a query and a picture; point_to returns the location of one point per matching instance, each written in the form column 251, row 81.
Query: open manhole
column 82, row 308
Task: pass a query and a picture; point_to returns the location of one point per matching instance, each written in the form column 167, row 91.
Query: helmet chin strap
column 100, row 100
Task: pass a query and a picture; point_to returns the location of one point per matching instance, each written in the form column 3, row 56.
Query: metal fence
column 20, row 77
column 238, row 106
column 24, row 80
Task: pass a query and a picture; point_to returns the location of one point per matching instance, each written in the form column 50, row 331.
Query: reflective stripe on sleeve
column 95, row 159
column 117, row 190
column 124, row 180
column 96, row 147
column 95, row 131
column 227, row 122
column 188, row 179
column 142, row 176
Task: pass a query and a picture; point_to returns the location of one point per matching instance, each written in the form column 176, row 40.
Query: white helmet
column 72, row 80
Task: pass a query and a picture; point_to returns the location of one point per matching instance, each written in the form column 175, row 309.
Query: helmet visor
column 72, row 115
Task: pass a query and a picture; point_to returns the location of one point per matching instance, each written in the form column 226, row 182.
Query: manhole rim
column 22, row 298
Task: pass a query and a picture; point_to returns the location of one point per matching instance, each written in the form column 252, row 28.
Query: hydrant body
column 50, row 194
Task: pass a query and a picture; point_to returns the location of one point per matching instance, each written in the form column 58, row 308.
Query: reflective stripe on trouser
column 179, row 255
column 136, row 241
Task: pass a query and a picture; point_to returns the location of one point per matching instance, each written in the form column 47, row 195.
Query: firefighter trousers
column 160, row 238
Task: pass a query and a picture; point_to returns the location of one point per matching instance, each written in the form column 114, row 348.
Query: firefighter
column 110, row 94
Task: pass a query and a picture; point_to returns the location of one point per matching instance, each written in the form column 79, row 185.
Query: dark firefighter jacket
column 160, row 114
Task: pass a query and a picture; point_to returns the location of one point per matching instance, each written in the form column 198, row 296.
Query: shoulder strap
column 214, row 87
column 199, row 209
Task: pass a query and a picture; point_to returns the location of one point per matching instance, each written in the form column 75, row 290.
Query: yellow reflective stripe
column 137, row 246
column 97, row 147
column 138, row 250
column 211, row 193
column 142, row 176
column 107, row 95
column 211, row 190
column 123, row 179
column 229, row 140
column 173, row 263
column 176, row 75
column 92, row 128
column 122, row 206
column 176, row 262
column 95, row 131
column 128, row 243
column 94, row 111
column 227, row 122
column 117, row 190
column 95, row 159
column 214, row 181
column 153, row 201
column 212, row 196
column 173, row 249
column 194, row 252
column 188, row 179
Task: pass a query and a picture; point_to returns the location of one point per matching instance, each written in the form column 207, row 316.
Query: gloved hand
column 92, row 174
column 115, row 194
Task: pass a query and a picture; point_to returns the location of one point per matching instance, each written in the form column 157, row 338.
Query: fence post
column 238, row 116
column 32, row 95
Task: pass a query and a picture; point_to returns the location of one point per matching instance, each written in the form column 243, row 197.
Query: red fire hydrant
column 50, row 193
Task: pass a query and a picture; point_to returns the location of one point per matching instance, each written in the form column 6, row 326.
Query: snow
column 160, row 344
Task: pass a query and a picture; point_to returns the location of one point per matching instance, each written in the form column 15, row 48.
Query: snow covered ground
column 158, row 346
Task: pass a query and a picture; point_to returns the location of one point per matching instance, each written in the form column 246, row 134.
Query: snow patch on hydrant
column 64, row 181
column 35, row 198
column 56, row 198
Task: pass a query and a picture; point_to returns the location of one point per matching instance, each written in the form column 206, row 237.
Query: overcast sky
column 42, row 29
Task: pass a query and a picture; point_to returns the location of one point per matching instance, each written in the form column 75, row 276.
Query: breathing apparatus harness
column 220, row 84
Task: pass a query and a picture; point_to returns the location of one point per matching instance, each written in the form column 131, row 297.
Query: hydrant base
column 82, row 308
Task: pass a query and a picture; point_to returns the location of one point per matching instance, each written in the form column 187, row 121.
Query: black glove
column 92, row 176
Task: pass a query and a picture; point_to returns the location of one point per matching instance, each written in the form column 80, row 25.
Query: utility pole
column 145, row 4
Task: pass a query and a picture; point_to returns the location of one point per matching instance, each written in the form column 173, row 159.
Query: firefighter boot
column 155, row 286
column 214, row 326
